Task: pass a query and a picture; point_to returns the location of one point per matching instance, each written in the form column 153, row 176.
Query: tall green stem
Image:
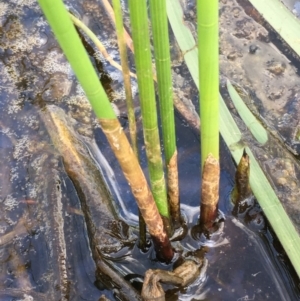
column 208, row 47
column 69, row 41
column 141, row 42
column 207, row 14
column 163, row 67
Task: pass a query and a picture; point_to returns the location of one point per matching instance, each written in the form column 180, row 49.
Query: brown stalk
column 242, row 188
column 122, row 35
column 209, row 192
column 139, row 186
column 242, row 177
column 173, row 190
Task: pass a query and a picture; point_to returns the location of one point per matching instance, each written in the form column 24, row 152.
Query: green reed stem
column 207, row 12
column 161, row 42
column 141, row 43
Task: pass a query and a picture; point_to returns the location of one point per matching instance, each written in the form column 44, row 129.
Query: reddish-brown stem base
column 208, row 215
column 163, row 249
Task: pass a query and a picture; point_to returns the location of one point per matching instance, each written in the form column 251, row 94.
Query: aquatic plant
column 257, row 130
column 281, row 19
column 208, row 50
column 129, row 101
column 126, row 74
column 232, row 135
column 159, row 23
column 234, row 139
column 143, row 63
column 69, row 41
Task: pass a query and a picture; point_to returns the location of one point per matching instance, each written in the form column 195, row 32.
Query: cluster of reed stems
column 159, row 205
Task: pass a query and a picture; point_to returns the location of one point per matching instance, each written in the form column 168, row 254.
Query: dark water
column 45, row 251
column 242, row 260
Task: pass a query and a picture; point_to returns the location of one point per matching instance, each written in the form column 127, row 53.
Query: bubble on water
column 99, row 56
column 32, row 121
column 21, row 148
column 41, row 23
column 116, row 75
column 55, row 62
column 42, row 39
column 20, row 39
column 79, row 100
column 14, row 174
column 31, row 190
column 118, row 94
column 4, row 7
column 10, row 203
column 79, row 90
column 15, row 106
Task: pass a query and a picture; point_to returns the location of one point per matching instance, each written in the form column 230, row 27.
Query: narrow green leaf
column 184, row 37
column 161, row 43
column 281, row 19
column 257, row 130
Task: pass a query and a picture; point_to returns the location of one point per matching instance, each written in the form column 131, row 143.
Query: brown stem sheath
column 173, row 190
column 242, row 177
column 242, row 188
column 139, row 186
column 209, row 192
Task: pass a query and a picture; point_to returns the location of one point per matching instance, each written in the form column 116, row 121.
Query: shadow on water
column 46, row 244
